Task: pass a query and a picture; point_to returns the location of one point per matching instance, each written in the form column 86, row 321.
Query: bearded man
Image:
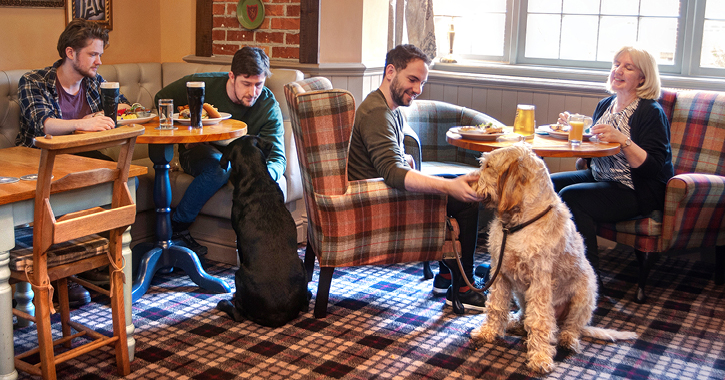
column 376, row 150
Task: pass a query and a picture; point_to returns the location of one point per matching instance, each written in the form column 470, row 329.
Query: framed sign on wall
column 92, row 10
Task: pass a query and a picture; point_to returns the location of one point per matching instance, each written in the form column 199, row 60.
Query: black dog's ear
column 265, row 146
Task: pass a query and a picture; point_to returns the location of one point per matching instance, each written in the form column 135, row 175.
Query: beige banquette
column 139, row 82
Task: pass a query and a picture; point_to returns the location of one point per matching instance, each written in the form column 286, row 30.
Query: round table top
column 226, row 129
column 542, row 145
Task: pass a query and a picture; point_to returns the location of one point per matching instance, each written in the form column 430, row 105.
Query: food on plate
column 134, row 112
column 559, row 127
column 207, row 111
column 484, row 128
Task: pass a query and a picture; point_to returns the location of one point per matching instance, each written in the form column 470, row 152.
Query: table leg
column 7, row 241
column 164, row 253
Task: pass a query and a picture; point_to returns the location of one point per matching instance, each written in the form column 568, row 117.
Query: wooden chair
column 354, row 223
column 48, row 232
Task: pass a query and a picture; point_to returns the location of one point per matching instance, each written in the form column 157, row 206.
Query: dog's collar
column 513, row 229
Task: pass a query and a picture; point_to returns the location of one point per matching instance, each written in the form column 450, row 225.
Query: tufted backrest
column 9, row 107
column 431, row 119
column 698, row 132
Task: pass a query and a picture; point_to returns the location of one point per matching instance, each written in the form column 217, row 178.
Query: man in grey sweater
column 376, row 150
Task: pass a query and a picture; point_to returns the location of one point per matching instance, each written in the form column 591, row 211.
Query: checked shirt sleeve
column 37, row 103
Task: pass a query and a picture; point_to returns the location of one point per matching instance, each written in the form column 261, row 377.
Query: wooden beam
column 204, row 23
column 309, row 31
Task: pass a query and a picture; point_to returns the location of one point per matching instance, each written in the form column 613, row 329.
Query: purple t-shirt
column 72, row 106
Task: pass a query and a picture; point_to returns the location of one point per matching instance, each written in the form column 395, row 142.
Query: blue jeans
column 592, row 202
column 202, row 162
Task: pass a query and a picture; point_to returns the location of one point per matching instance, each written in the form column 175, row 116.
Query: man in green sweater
column 241, row 93
column 376, row 150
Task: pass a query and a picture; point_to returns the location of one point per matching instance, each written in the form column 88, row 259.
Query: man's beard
column 86, row 73
column 398, row 93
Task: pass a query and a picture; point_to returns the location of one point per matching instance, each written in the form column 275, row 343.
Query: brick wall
column 279, row 34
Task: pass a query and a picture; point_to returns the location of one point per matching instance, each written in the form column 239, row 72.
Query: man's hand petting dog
column 271, row 283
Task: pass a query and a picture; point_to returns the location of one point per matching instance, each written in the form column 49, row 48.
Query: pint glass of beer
column 525, row 123
column 195, row 96
column 109, row 100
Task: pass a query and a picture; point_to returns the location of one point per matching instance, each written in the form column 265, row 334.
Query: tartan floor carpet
column 383, row 323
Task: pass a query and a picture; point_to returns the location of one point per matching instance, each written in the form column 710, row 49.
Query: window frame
column 686, row 71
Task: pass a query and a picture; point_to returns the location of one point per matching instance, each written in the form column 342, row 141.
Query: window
column 686, row 37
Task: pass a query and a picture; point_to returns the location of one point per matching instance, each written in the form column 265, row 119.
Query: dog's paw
column 540, row 362
column 483, row 334
column 569, row 341
column 228, row 307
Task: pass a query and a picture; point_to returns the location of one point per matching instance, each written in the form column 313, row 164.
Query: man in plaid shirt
column 65, row 97
column 376, row 150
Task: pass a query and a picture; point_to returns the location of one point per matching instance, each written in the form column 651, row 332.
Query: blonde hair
column 645, row 62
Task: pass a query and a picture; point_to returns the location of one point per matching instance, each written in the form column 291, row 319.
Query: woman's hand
column 563, row 118
column 607, row 133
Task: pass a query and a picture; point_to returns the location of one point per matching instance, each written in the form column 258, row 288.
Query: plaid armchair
column 694, row 210
column 353, row 223
column 427, row 122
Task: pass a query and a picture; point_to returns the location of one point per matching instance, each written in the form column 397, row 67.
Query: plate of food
column 209, row 115
column 137, row 114
column 561, row 131
column 479, row 132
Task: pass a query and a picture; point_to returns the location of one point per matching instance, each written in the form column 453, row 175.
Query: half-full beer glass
column 525, row 123
column 109, row 100
column 195, row 96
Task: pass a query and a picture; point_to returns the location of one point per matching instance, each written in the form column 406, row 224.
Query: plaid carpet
column 383, row 323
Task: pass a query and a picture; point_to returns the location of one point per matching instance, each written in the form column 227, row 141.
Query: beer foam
column 195, row 84
column 109, row 85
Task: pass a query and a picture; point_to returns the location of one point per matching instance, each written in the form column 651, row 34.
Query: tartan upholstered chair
column 353, row 223
column 55, row 258
column 427, row 122
column 694, row 210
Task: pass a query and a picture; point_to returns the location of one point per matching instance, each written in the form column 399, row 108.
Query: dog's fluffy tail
column 608, row 334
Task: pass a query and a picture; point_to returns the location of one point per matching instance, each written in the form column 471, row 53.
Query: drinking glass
column 109, row 100
column 195, row 96
column 166, row 114
column 577, row 124
column 525, row 122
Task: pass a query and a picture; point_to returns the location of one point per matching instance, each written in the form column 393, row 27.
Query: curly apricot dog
column 544, row 267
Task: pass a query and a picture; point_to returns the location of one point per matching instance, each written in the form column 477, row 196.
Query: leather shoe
column 98, row 276
column 77, row 295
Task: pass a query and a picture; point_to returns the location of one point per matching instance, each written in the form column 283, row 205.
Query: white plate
column 203, row 121
column 476, row 135
column 562, row 135
column 138, row 120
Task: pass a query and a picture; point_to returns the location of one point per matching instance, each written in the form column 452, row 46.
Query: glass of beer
column 195, row 96
column 525, row 123
column 577, row 124
column 109, row 100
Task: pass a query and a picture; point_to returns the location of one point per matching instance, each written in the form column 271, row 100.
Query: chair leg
column 323, row 291
column 427, row 272
column 119, row 323
column 61, row 286
column 646, row 261
column 309, row 261
column 720, row 265
column 45, row 335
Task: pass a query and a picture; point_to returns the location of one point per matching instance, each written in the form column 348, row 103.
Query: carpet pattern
column 384, row 323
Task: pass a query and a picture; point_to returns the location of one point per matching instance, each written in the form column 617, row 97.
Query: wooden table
column 16, row 208
column 542, row 145
column 164, row 253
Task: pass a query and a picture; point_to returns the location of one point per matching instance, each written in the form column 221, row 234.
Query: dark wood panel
column 309, row 31
column 204, row 19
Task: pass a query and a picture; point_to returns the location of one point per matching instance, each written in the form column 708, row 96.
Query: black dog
column 271, row 280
